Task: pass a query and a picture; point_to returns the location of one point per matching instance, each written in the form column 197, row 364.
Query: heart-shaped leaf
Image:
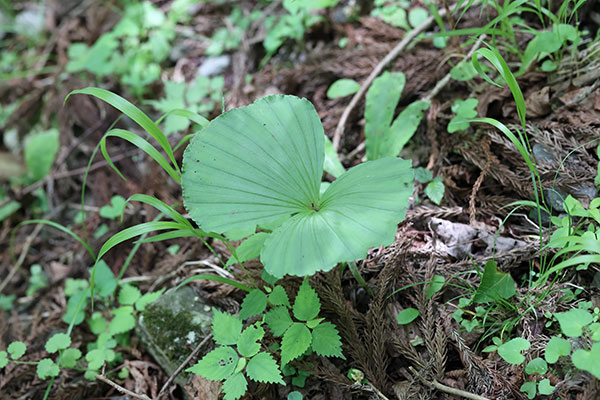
column 588, row 360
column 511, row 350
column 263, row 162
column 573, row 321
column 114, row 209
column 557, row 347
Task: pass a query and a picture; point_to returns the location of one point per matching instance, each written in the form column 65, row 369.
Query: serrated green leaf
column 263, row 368
column 58, row 341
column 248, row 344
column 16, row 350
column 279, row 297
column 407, row 315
column 278, row 320
column 123, row 320
column 573, row 321
column 314, row 322
column 235, row 387
column 226, row 328
column 147, row 299
column 306, row 304
column 97, row 357
column 128, row 295
column 511, row 350
column 3, row 359
column 46, row 368
column 254, row 304
column 555, row 348
column 261, row 163
column 216, row 365
column 69, row 357
column 295, row 342
column 494, row 285
column 326, row 341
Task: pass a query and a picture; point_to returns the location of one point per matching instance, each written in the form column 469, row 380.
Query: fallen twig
column 122, row 389
column 447, row 389
column 178, row 370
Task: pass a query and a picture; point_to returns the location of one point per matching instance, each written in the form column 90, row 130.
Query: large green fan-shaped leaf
column 254, row 164
column 259, row 163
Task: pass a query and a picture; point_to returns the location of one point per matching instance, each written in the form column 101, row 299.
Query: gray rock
column 213, row 66
column 543, row 154
column 586, row 190
column 30, row 22
column 173, row 326
column 555, row 198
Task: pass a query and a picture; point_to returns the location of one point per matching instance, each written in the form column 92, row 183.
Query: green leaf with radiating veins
column 263, row 162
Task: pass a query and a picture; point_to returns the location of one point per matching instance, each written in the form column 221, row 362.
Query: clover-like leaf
column 326, row 341
column 529, row 388
column 573, row 321
column 263, row 368
column 279, row 297
column 128, row 295
column 588, row 360
column 511, row 350
column 295, row 342
column 226, row 328
column 58, row 341
column 555, row 348
column 545, row 388
column 248, row 343
column 306, row 304
column 278, row 320
column 123, row 320
column 254, row 304
column 47, row 368
column 263, row 162
column 114, row 209
column 235, row 386
column 69, row 357
column 147, row 299
column 16, row 350
column 216, row 365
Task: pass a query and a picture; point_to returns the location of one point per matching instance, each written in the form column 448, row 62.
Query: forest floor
column 481, row 169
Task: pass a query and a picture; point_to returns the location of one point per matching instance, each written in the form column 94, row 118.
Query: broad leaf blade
column 254, row 164
column 382, row 98
column 494, row 285
column 358, row 211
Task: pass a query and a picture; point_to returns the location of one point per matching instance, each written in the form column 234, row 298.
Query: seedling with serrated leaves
column 241, row 355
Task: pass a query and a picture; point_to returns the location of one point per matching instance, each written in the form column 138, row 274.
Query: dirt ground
column 481, row 169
